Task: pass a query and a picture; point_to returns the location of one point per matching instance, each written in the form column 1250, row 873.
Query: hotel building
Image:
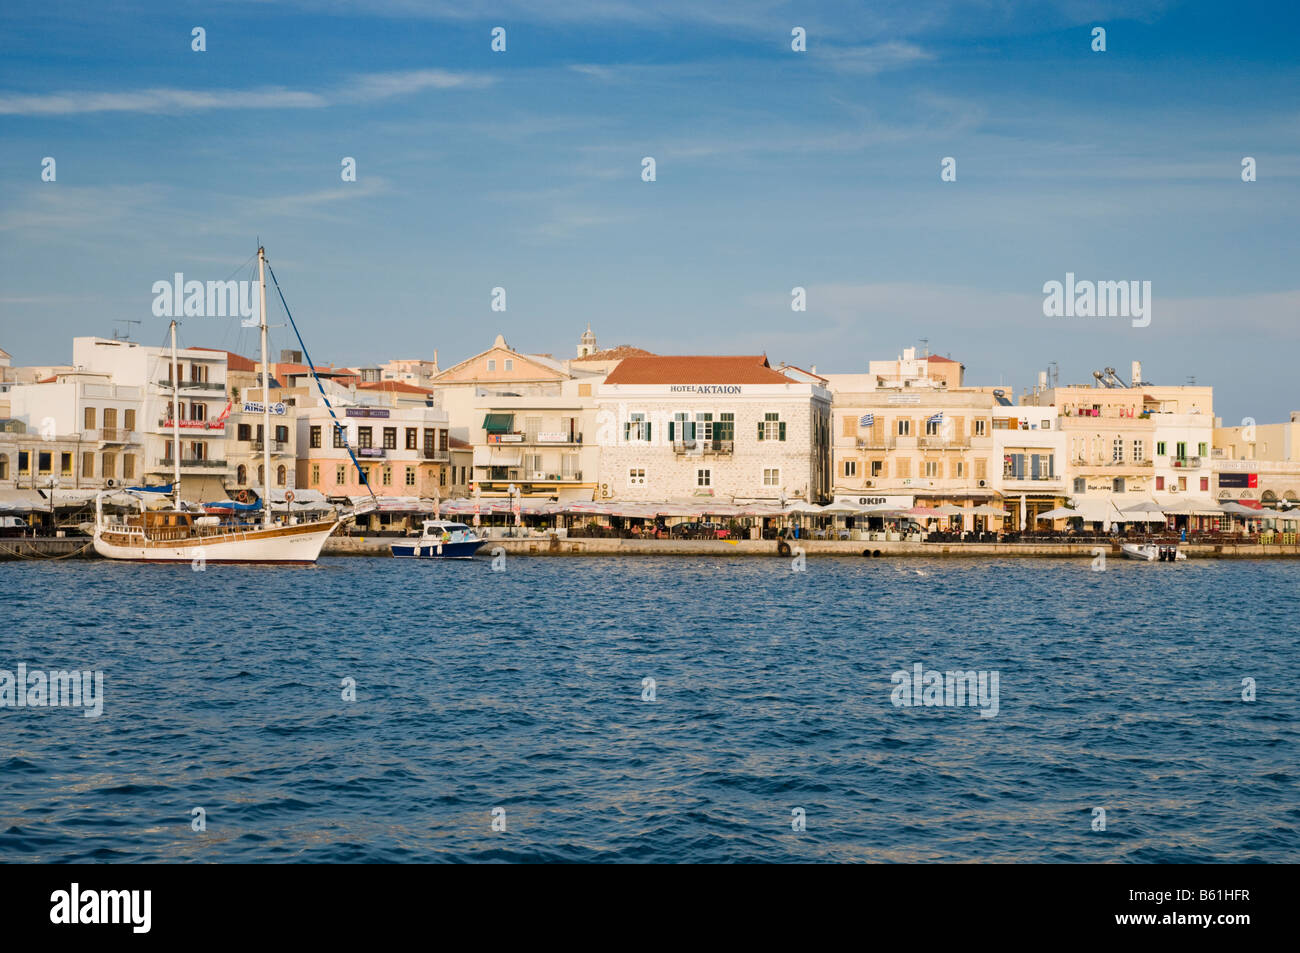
column 1258, row 463
column 730, row 428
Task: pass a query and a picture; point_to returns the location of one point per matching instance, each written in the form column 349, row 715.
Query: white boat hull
column 1149, row 552
column 299, row 543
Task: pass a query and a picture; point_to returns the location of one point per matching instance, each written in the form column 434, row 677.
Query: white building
column 730, row 428
column 202, row 400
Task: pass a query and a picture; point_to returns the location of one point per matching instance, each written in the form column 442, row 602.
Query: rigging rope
column 339, row 430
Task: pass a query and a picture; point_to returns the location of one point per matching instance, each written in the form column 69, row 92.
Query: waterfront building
column 730, row 428
column 908, row 432
column 79, row 430
column 404, row 451
column 1130, row 443
column 541, row 444
column 202, row 399
column 1258, row 464
column 1029, row 465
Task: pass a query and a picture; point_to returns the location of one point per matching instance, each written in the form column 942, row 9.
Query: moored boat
column 440, row 539
column 1152, row 552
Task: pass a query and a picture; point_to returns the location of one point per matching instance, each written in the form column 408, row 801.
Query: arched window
column 241, row 474
column 279, row 475
column 261, row 476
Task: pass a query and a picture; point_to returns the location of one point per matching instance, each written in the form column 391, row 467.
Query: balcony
column 277, row 446
column 718, row 447
column 876, row 443
column 216, row 426
column 437, row 456
column 372, row 452
column 196, row 463
column 194, row 385
column 934, row 442
column 112, row 435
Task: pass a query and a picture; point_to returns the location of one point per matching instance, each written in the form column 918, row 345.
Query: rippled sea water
column 523, row 690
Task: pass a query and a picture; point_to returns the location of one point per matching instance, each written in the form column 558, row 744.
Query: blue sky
column 775, row 169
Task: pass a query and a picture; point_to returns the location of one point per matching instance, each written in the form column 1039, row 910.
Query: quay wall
column 547, row 546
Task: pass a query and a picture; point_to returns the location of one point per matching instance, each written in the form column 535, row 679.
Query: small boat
column 1151, row 552
column 440, row 539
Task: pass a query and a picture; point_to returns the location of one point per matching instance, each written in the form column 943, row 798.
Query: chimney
column 1042, row 380
column 1136, row 375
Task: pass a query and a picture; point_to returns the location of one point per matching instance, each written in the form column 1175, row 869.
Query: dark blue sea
column 519, row 696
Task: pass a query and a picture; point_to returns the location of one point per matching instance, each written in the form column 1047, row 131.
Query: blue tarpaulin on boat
column 150, row 489
column 232, row 505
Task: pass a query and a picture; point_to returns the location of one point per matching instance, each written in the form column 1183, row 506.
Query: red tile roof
column 696, row 369
column 457, row 444
column 234, row 362
column 936, row 359
column 397, row 387
column 619, row 353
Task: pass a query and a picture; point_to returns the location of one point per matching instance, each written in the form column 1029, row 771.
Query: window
column 1137, row 451
column 198, row 411
column 877, row 468
column 282, row 433
column 703, row 477
column 261, row 476
column 387, row 476
column 108, row 465
column 849, row 427
column 1160, row 448
column 1181, row 450
column 390, row 438
column 1117, row 450
column 442, row 440
column 931, row 427
column 532, row 463
column 365, row 438
column 90, row 418
column 129, row 419
column 1117, row 485
column 128, row 466
column 241, row 474
column 315, row 438
column 315, row 474
column 704, row 426
column 338, row 437
column 280, row 475
column 958, row 468
column 1205, row 484
column 65, row 464
column 771, row 427
column 725, row 428
column 904, row 427
column 442, row 476
column 1045, row 425
column 412, row 438
column 850, row 468
column 903, row 468
column 110, row 418
column 510, row 363
column 681, row 428
column 931, row 468
column 1081, row 485
column 1182, row 483
column 87, row 464
column 1160, row 483
column 771, row 476
column 492, row 366
column 980, row 428
column 44, row 461
column 4, row 466
column 410, row 474
column 245, row 432
column 1202, row 450
column 636, row 428
column 636, row 477
column 340, row 475
column 429, row 441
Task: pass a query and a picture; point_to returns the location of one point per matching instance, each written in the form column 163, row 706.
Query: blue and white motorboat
column 440, row 539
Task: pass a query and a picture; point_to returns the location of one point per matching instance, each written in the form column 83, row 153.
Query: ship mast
column 176, row 425
column 266, row 395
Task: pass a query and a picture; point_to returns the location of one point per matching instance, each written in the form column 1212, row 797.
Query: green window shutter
column 782, row 437
column 670, row 431
column 647, row 431
column 760, row 430
column 627, row 432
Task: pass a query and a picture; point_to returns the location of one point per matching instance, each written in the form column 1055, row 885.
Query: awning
column 23, row 501
column 499, row 423
column 203, row 487
column 572, row 494
column 505, row 458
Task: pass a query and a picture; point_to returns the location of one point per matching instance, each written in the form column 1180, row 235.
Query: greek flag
column 936, row 419
column 867, row 420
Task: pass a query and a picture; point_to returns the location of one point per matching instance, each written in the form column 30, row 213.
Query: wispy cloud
column 362, row 88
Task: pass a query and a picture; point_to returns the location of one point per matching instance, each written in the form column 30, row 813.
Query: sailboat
column 177, row 535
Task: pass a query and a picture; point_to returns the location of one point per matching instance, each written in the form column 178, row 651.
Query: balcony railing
column 722, row 447
column 193, row 385
column 886, row 442
column 195, row 462
column 437, row 456
column 277, row 446
column 113, row 435
column 213, row 425
column 934, row 442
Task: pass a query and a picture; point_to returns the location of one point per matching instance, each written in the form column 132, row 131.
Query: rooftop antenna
column 1054, row 373
column 925, row 347
column 125, row 335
